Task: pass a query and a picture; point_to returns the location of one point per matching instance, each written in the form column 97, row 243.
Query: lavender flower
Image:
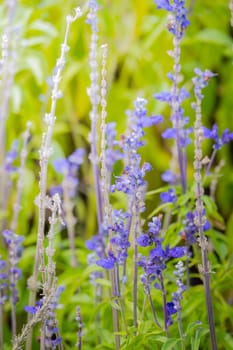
column 52, row 336
column 177, row 24
column 190, row 229
column 15, row 249
column 80, row 328
column 3, row 281
column 178, row 21
column 200, row 81
column 178, row 295
column 169, row 196
column 69, row 167
column 112, row 152
column 11, row 157
column 219, row 141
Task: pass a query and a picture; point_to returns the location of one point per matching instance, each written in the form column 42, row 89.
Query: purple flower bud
column 143, row 240
column 169, row 196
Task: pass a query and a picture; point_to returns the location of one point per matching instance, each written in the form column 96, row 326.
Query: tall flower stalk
column 200, row 81
column 93, row 93
column 177, row 23
column 105, row 186
column 21, row 172
column 45, row 153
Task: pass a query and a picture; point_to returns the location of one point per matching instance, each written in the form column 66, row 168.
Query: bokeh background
column 138, row 63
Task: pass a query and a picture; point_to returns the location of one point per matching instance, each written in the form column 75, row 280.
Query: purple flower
column 169, row 176
column 77, row 157
column 144, row 240
column 15, row 249
column 169, row 133
column 69, row 167
column 163, row 4
column 61, row 165
column 171, row 310
column 219, row 140
column 31, row 309
column 107, row 263
column 164, row 96
column 179, row 21
column 176, row 252
column 52, row 336
column 112, row 152
column 200, row 81
column 11, row 157
column 3, row 284
column 120, row 239
column 169, row 196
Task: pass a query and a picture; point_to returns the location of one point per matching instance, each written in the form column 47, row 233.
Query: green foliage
column 137, row 66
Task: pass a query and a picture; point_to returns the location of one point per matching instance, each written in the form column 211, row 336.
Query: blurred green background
column 138, row 41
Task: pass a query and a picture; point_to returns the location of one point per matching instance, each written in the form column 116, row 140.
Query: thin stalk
column 17, row 206
column 70, row 221
column 164, row 304
column 144, row 307
column 115, row 312
column 45, row 153
column 94, row 116
column 153, row 308
column 13, row 319
column 200, row 219
column 1, row 327
column 105, row 214
column 187, row 265
column 175, row 111
column 211, row 161
column 135, row 278
column 180, row 329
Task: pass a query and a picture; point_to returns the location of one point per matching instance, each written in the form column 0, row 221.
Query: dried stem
column 45, row 153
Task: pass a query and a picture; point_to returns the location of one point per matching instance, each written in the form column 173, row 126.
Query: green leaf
column 34, row 63
column 44, row 27
column 213, row 36
column 170, row 343
column 103, row 282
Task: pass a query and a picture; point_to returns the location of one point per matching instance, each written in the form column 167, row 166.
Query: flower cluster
column 200, row 81
column 177, row 296
column 69, row 167
column 190, row 229
column 158, row 256
column 3, row 283
column 11, row 156
column 178, row 20
column 15, row 249
column 169, row 196
column 132, row 180
column 219, row 141
column 112, row 152
column 52, row 337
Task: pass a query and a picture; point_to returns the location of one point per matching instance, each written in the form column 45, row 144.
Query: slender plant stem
column 1, row 327
column 17, row 207
column 200, row 220
column 153, row 308
column 70, row 221
column 45, row 153
column 211, row 162
column 135, row 278
column 164, row 304
column 115, row 312
column 175, row 111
